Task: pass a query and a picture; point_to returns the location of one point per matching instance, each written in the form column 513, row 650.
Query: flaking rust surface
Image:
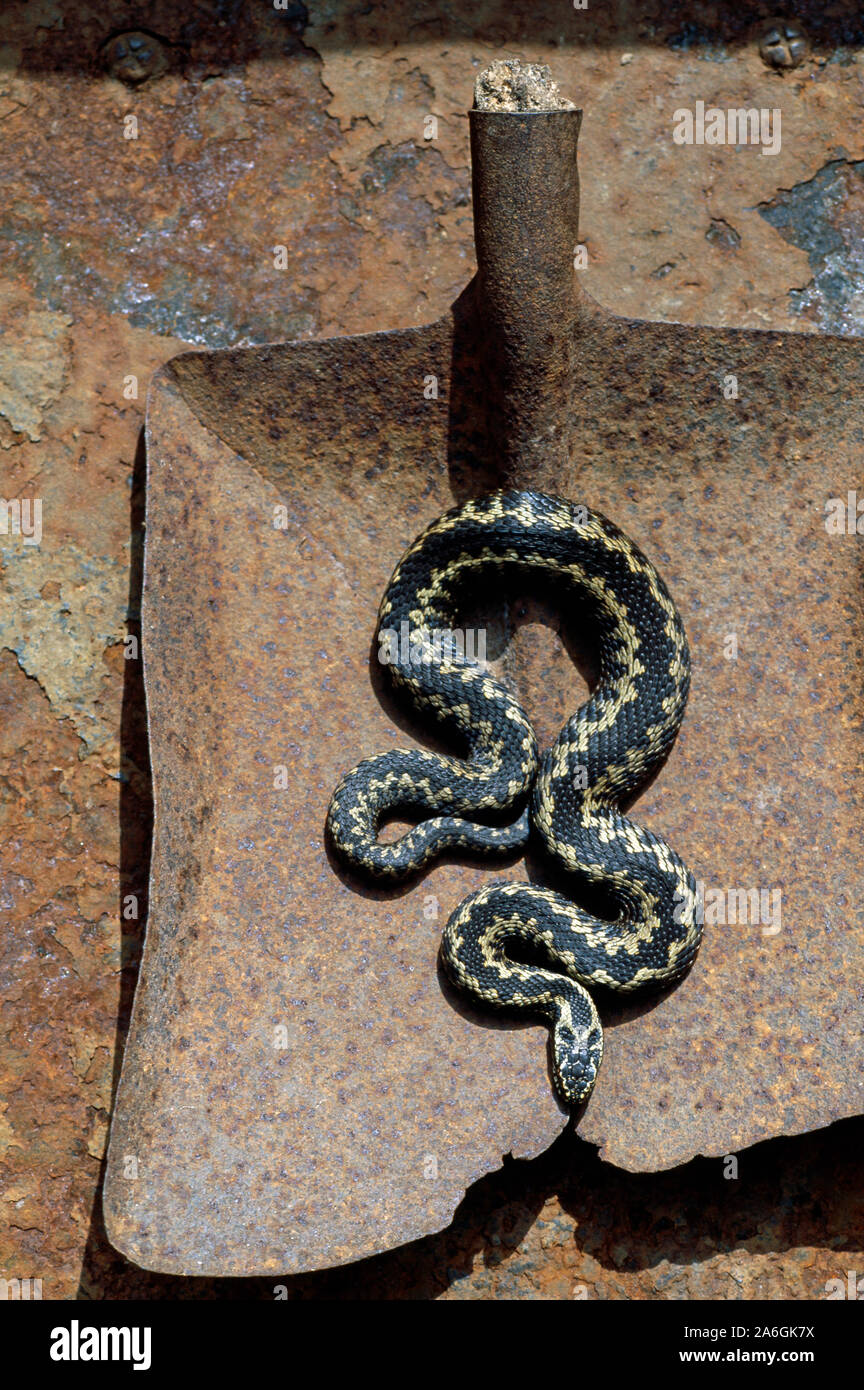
column 241, row 147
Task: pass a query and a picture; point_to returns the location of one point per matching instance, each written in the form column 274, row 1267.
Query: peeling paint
column 824, row 216
column 34, row 359
column 59, row 640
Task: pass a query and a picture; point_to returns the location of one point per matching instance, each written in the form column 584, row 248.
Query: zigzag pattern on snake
column 604, row 753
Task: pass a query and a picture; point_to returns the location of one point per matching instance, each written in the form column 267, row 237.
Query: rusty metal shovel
column 299, row 1089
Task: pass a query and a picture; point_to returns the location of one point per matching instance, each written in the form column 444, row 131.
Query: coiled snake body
column 604, row 753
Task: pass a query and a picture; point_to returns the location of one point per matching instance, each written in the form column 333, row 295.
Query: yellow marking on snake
column 648, row 932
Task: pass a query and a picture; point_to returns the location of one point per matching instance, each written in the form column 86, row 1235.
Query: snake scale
column 569, row 797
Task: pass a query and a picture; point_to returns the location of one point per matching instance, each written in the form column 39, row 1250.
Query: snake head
column 577, row 1049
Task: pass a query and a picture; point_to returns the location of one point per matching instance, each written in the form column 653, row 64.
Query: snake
column 522, row 947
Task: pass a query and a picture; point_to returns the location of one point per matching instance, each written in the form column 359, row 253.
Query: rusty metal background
column 359, row 1125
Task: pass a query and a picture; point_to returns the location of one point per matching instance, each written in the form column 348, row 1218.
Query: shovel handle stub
column 526, row 230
